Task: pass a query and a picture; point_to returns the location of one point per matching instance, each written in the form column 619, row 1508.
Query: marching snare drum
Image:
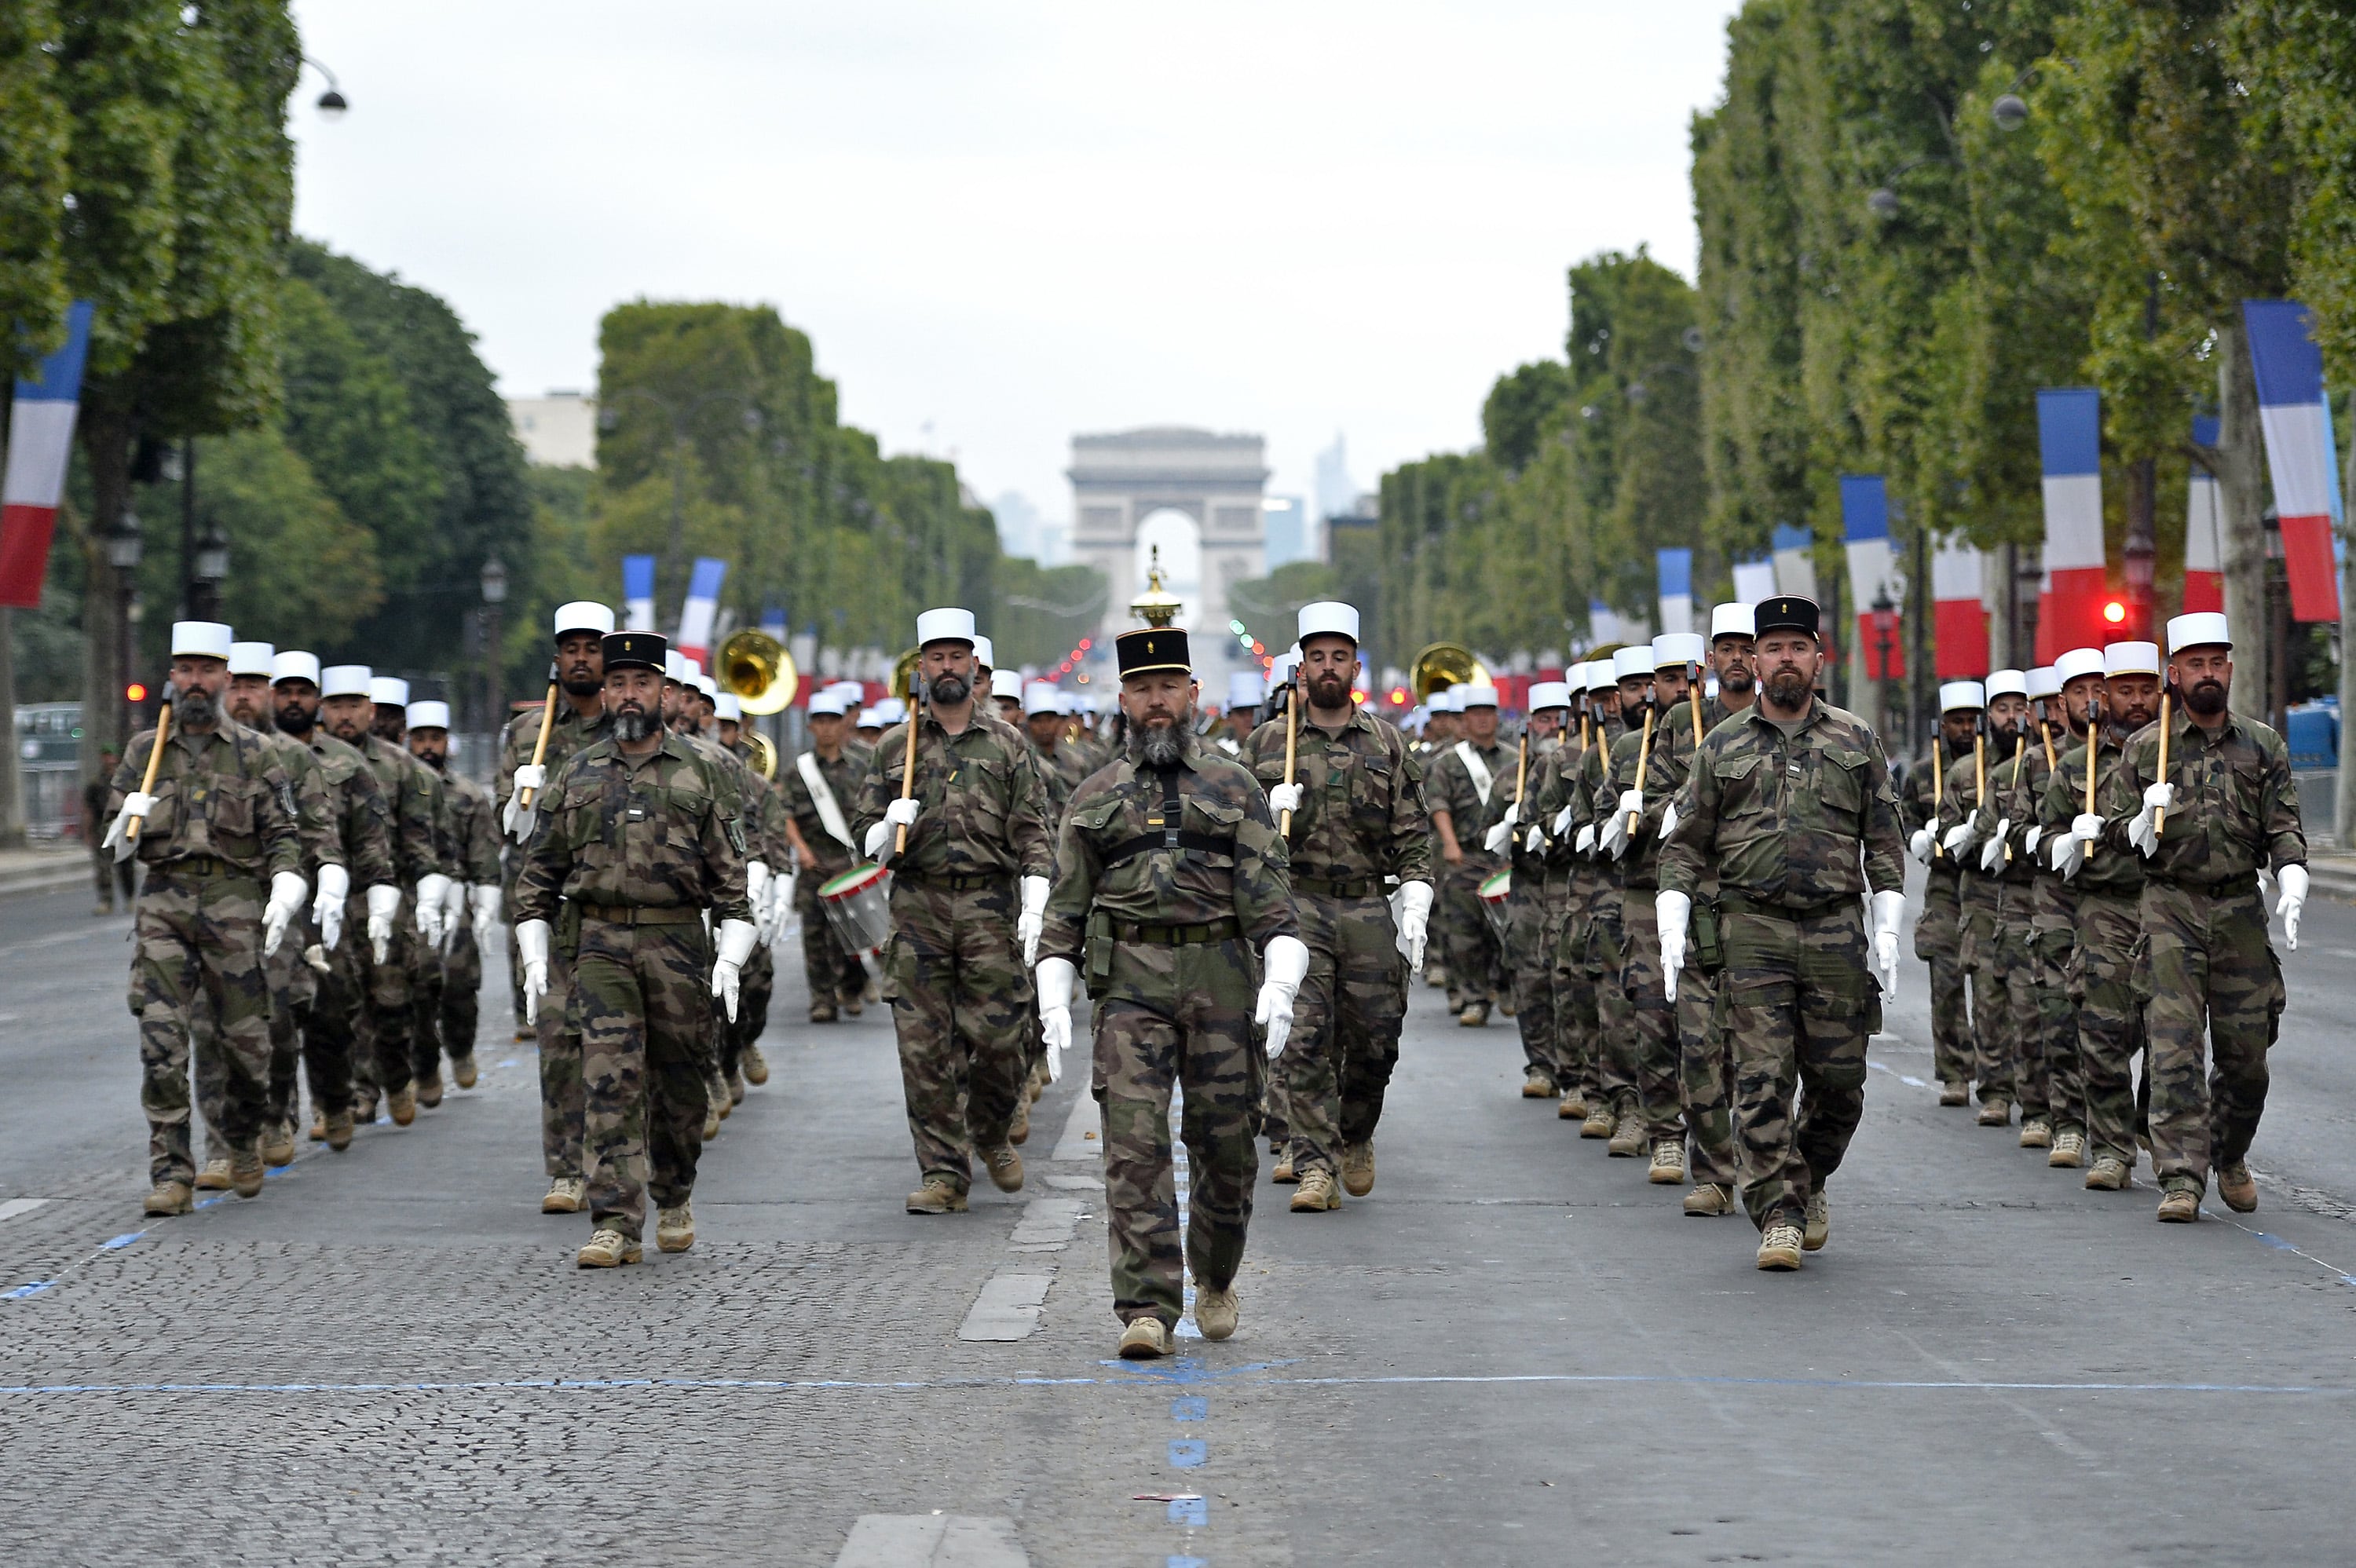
column 858, row 907
column 1494, row 888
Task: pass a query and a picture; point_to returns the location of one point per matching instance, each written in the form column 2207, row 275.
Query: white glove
column 1513, row 814
column 735, row 947
column 1960, row 838
column 1671, row 909
column 757, row 893
column 1287, row 964
column 1033, row 918
column 287, row 891
column 430, row 888
column 1534, row 838
column 1414, row 923
column 2088, row 826
column 487, row 912
column 1920, row 845
column 1614, row 839
column 1057, row 980
column 2294, row 899
column 530, row 776
column 454, row 911
column 316, row 957
column 2143, row 831
column 1284, row 798
column 1888, row 910
column 880, row 838
column 134, row 805
column 531, row 946
column 1585, row 843
column 1562, row 822
column 2069, row 853
column 1494, row 839
column 2030, row 843
column 1995, row 851
column 1668, row 820
column 383, row 905
column 781, row 904
column 328, row 908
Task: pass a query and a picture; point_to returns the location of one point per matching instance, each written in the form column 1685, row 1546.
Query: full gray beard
column 950, row 689
column 195, row 709
column 1157, row 748
column 633, row 725
column 1787, row 690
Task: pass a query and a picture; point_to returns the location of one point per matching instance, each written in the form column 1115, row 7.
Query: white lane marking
column 16, row 1206
column 1007, row 1310
column 1083, row 1135
column 931, row 1541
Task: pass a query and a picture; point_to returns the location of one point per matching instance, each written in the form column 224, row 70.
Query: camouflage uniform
column 1362, row 822
column 1939, row 929
column 2106, row 899
column 1065, row 769
column 1167, row 887
column 1578, row 1020
column 2015, row 785
column 1649, row 1043
column 953, row 971
column 224, row 824
column 1468, row 947
column 833, row 974
column 474, row 847
column 1798, row 827
column 765, row 834
column 1529, row 964
column 384, row 1063
column 1979, row 897
column 1543, row 880
column 559, row 1039
column 2204, row 931
column 1705, row 1050
column 638, row 848
column 1607, row 900
column 364, row 829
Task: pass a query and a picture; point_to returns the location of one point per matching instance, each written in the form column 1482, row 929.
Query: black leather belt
column 638, row 914
column 1728, row 903
column 1177, row 935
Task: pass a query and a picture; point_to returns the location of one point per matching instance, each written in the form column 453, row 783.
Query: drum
column 1495, row 888
column 858, row 906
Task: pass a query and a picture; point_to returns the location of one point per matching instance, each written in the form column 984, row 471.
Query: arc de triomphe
column 1120, row 481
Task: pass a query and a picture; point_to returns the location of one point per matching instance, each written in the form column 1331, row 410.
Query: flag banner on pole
column 1872, row 570
column 2204, row 531
column 1961, row 614
column 2289, row 369
column 637, row 593
column 1675, row 572
column 1603, row 623
column 2070, row 601
column 40, row 448
column 703, row 601
column 1754, row 579
column 1795, row 564
column 773, row 621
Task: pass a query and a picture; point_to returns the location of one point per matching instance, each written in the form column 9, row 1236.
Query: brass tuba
column 764, row 759
column 1442, row 666
column 756, row 668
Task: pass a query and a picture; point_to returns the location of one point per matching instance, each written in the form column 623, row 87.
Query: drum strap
column 1165, row 834
column 828, row 812
column 1474, row 766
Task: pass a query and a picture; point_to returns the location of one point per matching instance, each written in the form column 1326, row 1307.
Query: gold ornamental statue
column 1157, row 606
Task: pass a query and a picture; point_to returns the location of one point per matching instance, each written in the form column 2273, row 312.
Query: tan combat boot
column 1668, row 1162
column 1536, row 1085
column 1018, row 1130
column 2238, row 1188
column 1778, row 1247
column 168, row 1198
column 277, row 1144
column 2109, row 1175
column 1474, row 1016
column 937, row 1197
column 1708, row 1201
column 754, row 1065
column 675, row 1229
column 1358, row 1168
column 2036, row 1132
column 245, row 1173
column 463, row 1070
column 1573, row 1107
column 1506, row 1006
column 1215, row 1311
column 403, row 1103
column 318, row 1126
column 1282, row 1172
column 1316, row 1192
column 735, row 1089
column 2069, row 1151
column 2180, row 1206
column 1995, row 1112
column 1599, row 1123
column 1145, row 1340
column 1005, row 1168
column 712, row 1117
column 1627, row 1137
column 1820, row 1227
column 429, row 1091
column 1955, row 1094
column 608, row 1249
column 1038, row 1084
column 214, row 1177
column 565, row 1195
column 339, row 1130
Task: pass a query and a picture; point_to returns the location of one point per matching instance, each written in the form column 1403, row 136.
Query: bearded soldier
column 2076, row 683
column 686, row 709
column 421, row 951
column 1522, row 836
column 1568, row 796
column 975, row 816
column 1466, row 802
column 1939, row 931
column 2016, row 780
column 1619, row 1069
column 470, row 906
column 221, row 818
column 818, row 792
column 1171, row 894
column 1978, row 899
column 742, row 1059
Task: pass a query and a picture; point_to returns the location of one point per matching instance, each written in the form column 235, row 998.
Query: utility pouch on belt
column 1709, row 944
column 1099, row 953
column 568, row 930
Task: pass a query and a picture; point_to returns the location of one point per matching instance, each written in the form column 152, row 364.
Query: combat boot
column 1778, row 1247
column 711, row 1117
column 2237, row 1188
column 1506, row 1006
column 1668, row 1162
column 1474, row 1016
column 1358, row 1168
column 822, row 1014
column 364, row 1105
column 1955, row 1094
column 1005, row 1168
column 1536, row 1085
column 339, row 1130
column 608, row 1249
column 1820, row 1227
column 1282, row 1172
column 2109, row 1175
column 403, row 1103
column 754, row 1066
column 1038, row 1085
column 168, row 1198
column 318, row 1126
column 937, row 1197
column 1599, row 1123
column 1018, row 1129
column 735, row 1089
column 715, row 1093
column 2069, row 1151
column 2036, row 1132
column 1627, row 1137
column 2180, row 1206
column 245, row 1173
column 1315, row 1194
column 675, row 1229
column 1707, row 1200
column 1573, row 1107
column 429, row 1091
column 1215, row 1311
column 1995, row 1112
column 278, row 1144
column 1145, row 1340
column 214, row 1177
column 564, row 1196
column 463, row 1071
column 852, row 1007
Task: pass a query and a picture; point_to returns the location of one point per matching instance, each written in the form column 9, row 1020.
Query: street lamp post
column 495, row 594
column 212, row 571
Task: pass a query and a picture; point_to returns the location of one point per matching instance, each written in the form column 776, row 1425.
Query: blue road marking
column 1191, row 1512
column 116, row 1242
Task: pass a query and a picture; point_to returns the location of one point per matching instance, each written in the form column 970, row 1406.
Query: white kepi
column 2201, row 629
column 202, row 639
column 945, row 626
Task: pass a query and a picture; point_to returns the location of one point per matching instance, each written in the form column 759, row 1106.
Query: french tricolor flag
column 702, row 604
column 637, row 593
column 1675, row 567
column 1956, row 572
column 1872, row 567
column 2204, row 531
column 1795, row 563
column 41, row 446
column 1754, row 579
column 2298, row 449
column 2070, row 601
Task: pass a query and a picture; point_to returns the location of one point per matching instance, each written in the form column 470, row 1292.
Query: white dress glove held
column 1286, row 966
column 1057, row 981
column 287, row 891
column 531, row 946
column 1673, row 911
column 1414, row 923
column 736, row 938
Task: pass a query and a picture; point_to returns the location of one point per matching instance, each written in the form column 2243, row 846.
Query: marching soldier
column 1939, row 930
column 1062, row 763
column 1006, row 695
column 1170, row 890
column 2075, row 683
column 975, row 814
column 1466, row 802
column 2017, row 776
column 817, row 791
column 470, row 906
column 2223, row 809
column 422, row 951
column 1978, row 902
column 1793, row 803
column 1358, row 823
column 1568, row 796
column 1245, row 694
column 219, row 819
column 110, row 872
column 1619, row 1070
column 744, row 1062
column 1523, row 837
column 638, row 842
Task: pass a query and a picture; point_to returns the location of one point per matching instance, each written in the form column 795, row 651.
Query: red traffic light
column 134, row 692
column 2116, row 612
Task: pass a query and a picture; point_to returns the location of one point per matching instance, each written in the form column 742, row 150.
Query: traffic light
column 2115, row 611
column 134, row 692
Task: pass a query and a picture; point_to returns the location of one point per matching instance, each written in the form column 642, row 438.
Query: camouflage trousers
column 292, row 990
column 1992, row 1052
column 1799, row 1004
column 1470, row 951
column 1938, row 939
column 1705, row 1081
column 198, row 989
column 1532, row 967
column 562, row 1105
column 1337, row 1061
column 2015, row 980
column 641, row 1005
column 1577, row 1026
column 2210, row 963
column 462, row 994
column 1199, row 1037
column 331, row 1030
column 960, row 1007
column 756, row 985
column 1651, row 1019
column 2053, row 934
column 1615, row 1019
column 833, row 972
column 2109, row 1018
column 425, row 986
column 381, row 1055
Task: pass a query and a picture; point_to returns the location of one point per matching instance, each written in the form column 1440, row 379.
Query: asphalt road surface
column 1514, row 1351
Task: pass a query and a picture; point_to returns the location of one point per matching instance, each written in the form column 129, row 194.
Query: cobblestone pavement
column 1514, row 1351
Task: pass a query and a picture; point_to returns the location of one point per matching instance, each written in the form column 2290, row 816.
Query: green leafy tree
column 33, row 137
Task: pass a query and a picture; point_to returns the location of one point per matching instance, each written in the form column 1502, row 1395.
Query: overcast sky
column 1005, row 223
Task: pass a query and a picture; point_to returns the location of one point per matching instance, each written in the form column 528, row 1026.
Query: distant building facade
column 559, row 430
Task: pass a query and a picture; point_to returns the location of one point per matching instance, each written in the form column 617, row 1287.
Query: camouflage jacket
column 1666, row 773
column 1917, row 808
column 2237, row 804
column 474, row 847
column 1574, row 770
column 223, row 794
column 841, row 777
column 566, row 734
column 363, row 821
column 413, row 808
column 1122, row 855
column 2016, row 786
column 983, row 809
column 1448, row 787
column 1362, row 813
column 1795, row 822
column 1528, row 864
column 1959, row 797
column 314, row 815
column 1063, row 771
column 2103, row 870
column 651, row 832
